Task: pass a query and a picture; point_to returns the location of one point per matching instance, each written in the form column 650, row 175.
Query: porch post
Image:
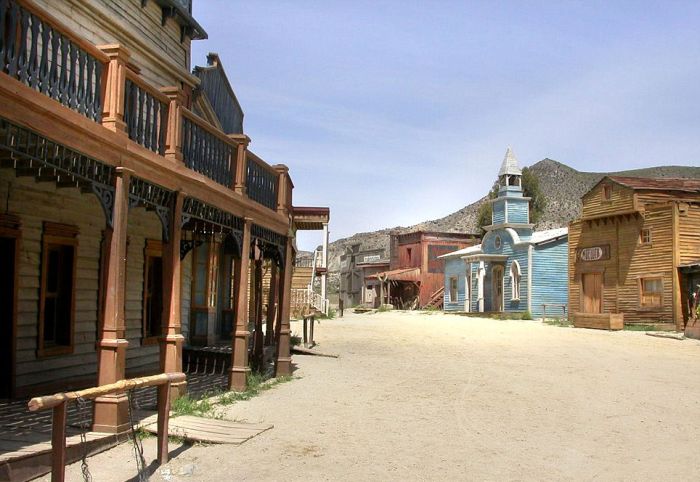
column 239, row 358
column 284, row 358
column 324, row 265
column 258, row 299
column 480, row 286
column 239, row 176
column 172, row 340
column 271, row 308
column 111, row 411
column 115, row 89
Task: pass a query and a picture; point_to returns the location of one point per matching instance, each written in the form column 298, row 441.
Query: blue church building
column 514, row 269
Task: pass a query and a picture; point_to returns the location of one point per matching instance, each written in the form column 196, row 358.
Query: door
column 497, row 288
column 592, row 297
column 8, row 247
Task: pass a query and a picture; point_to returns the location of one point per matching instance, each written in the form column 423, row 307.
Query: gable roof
column 461, row 252
column 658, row 184
column 548, row 235
column 651, row 184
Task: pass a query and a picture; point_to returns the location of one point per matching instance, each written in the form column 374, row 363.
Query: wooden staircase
column 436, row 299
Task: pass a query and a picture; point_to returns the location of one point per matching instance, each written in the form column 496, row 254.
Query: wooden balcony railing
column 207, row 150
column 145, row 113
column 46, row 56
column 102, row 84
column 261, row 182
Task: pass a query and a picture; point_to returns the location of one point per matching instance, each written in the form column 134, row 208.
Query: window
column 56, row 313
column 607, row 192
column 651, row 292
column 408, row 254
column 497, row 242
column 228, row 314
column 645, row 236
column 205, row 263
column 153, row 291
column 453, row 289
column 515, row 280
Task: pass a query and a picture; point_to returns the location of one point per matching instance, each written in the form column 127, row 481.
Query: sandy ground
column 432, row 396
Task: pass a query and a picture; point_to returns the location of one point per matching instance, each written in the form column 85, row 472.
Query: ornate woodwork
column 146, row 117
column 261, row 183
column 46, row 59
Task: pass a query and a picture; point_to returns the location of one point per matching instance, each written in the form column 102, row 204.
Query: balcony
column 104, row 86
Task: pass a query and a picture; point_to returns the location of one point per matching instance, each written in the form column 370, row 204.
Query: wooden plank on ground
column 210, row 430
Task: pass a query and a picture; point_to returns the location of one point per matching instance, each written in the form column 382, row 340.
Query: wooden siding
column 455, row 267
column 140, row 359
column 622, row 200
column 518, row 211
column 629, row 262
column 689, row 233
column 156, row 49
column 34, row 203
column 510, row 305
column 499, row 212
column 549, row 276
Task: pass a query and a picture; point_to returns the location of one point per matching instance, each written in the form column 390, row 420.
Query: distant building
column 513, row 269
column 355, row 265
column 416, row 272
column 634, row 255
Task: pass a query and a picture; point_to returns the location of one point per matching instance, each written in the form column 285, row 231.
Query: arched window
column 515, row 280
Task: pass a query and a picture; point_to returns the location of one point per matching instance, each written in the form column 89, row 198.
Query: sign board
column 371, row 258
column 593, row 253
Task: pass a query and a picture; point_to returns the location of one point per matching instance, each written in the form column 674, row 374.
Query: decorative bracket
column 187, row 245
column 105, row 194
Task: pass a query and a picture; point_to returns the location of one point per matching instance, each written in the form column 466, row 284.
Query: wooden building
column 133, row 211
column 634, row 253
column 415, row 278
column 514, row 269
column 355, row 266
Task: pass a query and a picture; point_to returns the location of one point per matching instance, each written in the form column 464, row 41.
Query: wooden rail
column 206, row 149
column 59, row 403
column 262, row 182
column 145, row 113
column 42, row 53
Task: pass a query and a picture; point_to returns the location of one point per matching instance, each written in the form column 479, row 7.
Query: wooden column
column 239, row 175
column 239, row 358
column 284, row 357
column 271, row 306
column 173, row 136
column 258, row 345
column 111, row 411
column 172, row 339
column 283, row 189
column 115, row 88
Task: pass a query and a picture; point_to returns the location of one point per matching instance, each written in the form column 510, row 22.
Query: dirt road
column 431, row 396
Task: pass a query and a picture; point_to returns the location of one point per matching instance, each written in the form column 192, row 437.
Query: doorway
column 8, row 266
column 592, row 296
column 497, row 288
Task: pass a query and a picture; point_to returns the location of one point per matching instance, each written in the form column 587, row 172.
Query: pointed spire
column 510, row 165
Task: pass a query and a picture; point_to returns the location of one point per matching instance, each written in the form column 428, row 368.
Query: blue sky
column 393, row 113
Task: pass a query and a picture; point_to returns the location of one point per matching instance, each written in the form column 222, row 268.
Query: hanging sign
column 593, row 253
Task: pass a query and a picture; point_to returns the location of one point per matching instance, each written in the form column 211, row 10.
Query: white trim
column 514, row 280
column 505, row 210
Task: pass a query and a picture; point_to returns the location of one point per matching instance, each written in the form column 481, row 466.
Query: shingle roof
column 463, row 251
column 510, row 164
column 549, row 234
column 655, row 184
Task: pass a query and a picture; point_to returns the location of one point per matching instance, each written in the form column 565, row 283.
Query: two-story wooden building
column 132, row 209
column 633, row 253
column 416, row 275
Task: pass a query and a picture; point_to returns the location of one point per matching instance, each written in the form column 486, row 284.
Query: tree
column 531, row 189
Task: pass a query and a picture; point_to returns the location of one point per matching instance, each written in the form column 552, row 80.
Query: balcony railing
column 261, row 182
column 145, row 114
column 207, row 150
column 48, row 58
column 103, row 85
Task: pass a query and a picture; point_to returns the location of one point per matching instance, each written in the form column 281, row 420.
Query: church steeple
column 510, row 206
column 510, row 174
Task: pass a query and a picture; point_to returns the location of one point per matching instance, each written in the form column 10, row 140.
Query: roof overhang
column 308, row 218
column 403, row 274
column 497, row 258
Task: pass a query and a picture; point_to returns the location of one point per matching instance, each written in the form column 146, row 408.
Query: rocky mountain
column 562, row 185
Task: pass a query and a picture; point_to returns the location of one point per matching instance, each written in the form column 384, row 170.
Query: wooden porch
column 83, row 118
